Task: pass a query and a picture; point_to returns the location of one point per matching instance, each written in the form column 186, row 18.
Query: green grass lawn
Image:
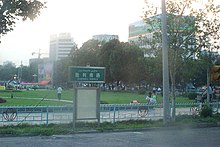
column 49, row 94
column 28, row 97
column 31, row 102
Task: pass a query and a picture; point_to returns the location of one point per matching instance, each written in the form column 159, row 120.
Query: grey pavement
column 68, row 101
column 169, row 137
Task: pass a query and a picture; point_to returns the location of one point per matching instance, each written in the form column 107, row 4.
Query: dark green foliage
column 2, row 100
column 206, row 111
column 184, row 117
column 9, row 91
column 141, row 91
column 7, row 72
column 191, row 96
column 103, row 102
column 12, row 10
column 9, row 87
column 35, row 87
column 123, row 61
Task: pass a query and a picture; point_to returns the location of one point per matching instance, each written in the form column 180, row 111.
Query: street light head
column 15, row 77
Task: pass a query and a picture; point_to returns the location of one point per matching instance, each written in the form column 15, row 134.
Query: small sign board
column 87, row 103
column 87, row 74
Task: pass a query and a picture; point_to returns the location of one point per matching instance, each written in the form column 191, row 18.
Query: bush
column 2, row 100
column 9, row 87
column 191, row 96
column 206, row 111
column 103, row 102
column 142, row 91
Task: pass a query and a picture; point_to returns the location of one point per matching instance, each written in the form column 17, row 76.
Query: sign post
column 86, row 102
column 87, row 74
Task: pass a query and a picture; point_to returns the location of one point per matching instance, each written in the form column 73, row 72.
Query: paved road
column 184, row 137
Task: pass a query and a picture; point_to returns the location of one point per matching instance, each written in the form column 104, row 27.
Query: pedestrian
column 210, row 92
column 154, row 96
column 59, row 92
column 154, row 90
column 150, row 99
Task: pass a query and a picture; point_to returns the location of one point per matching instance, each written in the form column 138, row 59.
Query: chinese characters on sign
column 87, row 74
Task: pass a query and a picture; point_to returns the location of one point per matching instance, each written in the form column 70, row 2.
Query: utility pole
column 20, row 72
column 166, row 108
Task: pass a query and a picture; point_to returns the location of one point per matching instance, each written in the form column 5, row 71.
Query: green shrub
column 191, row 96
column 2, row 100
column 142, row 91
column 206, row 111
column 9, row 87
column 103, row 102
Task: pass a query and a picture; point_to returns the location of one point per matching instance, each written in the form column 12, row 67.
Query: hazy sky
column 81, row 18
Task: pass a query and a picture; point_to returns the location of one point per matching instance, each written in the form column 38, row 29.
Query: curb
column 191, row 126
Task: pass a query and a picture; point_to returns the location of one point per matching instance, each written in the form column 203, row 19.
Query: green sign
column 87, row 74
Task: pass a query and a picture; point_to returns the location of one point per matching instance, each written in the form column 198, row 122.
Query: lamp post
column 12, row 79
column 35, row 76
column 15, row 77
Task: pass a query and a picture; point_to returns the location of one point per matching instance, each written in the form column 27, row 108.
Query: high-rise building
column 141, row 33
column 105, row 37
column 60, row 46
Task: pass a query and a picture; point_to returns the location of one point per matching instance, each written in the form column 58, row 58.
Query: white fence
column 13, row 115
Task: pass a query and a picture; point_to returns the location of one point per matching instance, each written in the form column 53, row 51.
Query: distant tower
column 60, row 46
column 105, row 37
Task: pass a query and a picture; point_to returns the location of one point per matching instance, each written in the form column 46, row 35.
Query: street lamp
column 14, row 78
column 35, row 76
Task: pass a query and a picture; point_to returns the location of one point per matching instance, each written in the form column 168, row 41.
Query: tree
column 153, row 69
column 133, row 68
column 123, row 62
column 87, row 54
column 61, row 72
column 27, row 74
column 12, row 10
column 196, row 75
column 189, row 31
column 7, row 71
column 111, row 57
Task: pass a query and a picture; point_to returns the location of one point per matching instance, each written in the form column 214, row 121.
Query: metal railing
column 13, row 115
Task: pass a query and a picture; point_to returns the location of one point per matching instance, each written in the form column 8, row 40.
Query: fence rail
column 13, row 115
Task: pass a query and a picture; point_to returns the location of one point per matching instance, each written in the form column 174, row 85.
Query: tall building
column 60, row 46
column 141, row 33
column 105, row 37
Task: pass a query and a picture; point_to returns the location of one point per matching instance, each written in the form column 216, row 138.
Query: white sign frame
column 87, row 103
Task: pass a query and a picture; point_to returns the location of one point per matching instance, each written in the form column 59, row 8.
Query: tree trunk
column 208, row 83
column 173, row 85
column 173, row 100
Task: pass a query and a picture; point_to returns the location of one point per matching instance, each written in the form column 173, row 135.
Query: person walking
column 59, row 92
column 210, row 92
column 151, row 99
